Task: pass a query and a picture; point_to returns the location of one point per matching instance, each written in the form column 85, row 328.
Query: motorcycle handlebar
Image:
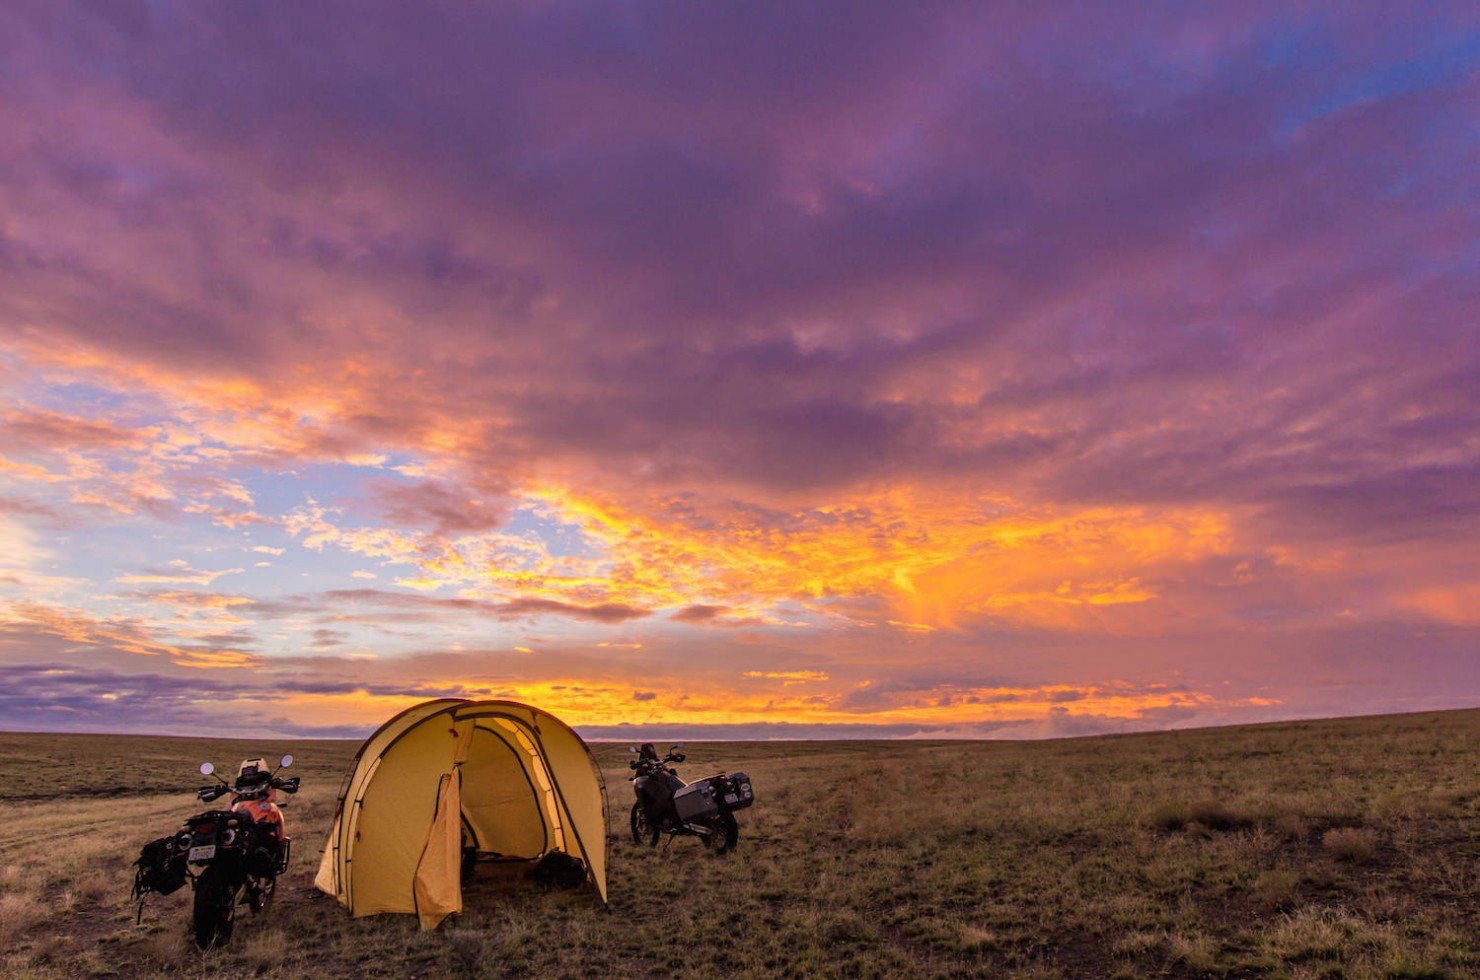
column 653, row 765
column 206, row 794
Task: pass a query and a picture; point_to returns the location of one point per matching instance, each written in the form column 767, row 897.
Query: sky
column 742, row 370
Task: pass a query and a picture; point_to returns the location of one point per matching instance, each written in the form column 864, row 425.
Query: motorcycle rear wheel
column 644, row 831
column 214, row 911
column 726, row 833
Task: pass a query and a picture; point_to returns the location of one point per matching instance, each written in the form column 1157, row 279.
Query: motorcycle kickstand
column 669, row 843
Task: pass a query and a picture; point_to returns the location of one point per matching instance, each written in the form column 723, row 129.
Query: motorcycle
column 230, row 857
column 666, row 804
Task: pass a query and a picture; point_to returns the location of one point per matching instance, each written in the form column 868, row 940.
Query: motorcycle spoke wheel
column 227, row 922
column 644, row 831
column 203, row 925
column 726, row 833
column 214, row 911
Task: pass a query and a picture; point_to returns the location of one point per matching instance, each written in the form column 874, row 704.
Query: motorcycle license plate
column 204, row 853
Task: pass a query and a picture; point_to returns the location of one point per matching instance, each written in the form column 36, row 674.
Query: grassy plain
column 1346, row 848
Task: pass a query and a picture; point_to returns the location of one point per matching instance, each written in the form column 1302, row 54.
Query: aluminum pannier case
column 696, row 801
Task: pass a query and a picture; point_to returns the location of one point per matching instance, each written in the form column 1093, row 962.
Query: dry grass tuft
column 1356, row 845
column 1202, row 815
column 1196, row 952
column 1291, row 826
column 1276, row 890
column 19, row 913
column 1405, row 805
column 1312, row 934
column 1138, row 944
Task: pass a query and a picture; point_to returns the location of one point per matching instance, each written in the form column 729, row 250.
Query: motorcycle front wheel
column 214, row 910
column 644, row 831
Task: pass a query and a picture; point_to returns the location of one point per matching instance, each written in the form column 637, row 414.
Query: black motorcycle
column 667, row 805
column 230, row 857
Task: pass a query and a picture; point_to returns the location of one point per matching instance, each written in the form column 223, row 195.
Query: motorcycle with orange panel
column 229, row 857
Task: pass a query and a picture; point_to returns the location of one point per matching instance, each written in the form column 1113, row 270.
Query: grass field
column 1347, row 848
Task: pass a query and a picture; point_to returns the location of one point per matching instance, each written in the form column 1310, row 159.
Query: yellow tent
column 504, row 778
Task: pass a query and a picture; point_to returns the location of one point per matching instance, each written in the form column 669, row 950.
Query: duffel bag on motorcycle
column 160, row 868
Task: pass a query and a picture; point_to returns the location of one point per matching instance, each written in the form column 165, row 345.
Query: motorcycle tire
column 214, row 910
column 727, row 833
column 644, row 830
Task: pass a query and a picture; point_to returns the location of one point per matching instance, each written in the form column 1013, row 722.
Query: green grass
column 1342, row 848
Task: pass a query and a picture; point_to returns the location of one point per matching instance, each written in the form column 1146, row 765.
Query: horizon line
column 607, row 738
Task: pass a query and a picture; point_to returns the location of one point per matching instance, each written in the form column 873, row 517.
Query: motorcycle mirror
column 286, row 762
column 677, row 746
column 206, row 768
column 632, row 749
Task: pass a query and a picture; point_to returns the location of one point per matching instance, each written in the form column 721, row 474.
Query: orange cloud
column 793, row 676
column 1457, row 605
column 126, row 635
column 937, row 560
column 604, row 701
column 934, row 561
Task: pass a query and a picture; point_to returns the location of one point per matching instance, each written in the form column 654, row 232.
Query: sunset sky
column 738, row 369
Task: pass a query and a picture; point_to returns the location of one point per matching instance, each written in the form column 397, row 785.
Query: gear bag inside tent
column 449, row 778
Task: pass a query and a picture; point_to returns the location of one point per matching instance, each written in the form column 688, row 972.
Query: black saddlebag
column 737, row 794
column 159, row 868
column 559, row 870
column 262, row 859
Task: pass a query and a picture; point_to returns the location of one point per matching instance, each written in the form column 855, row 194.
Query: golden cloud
column 601, row 701
column 934, row 561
